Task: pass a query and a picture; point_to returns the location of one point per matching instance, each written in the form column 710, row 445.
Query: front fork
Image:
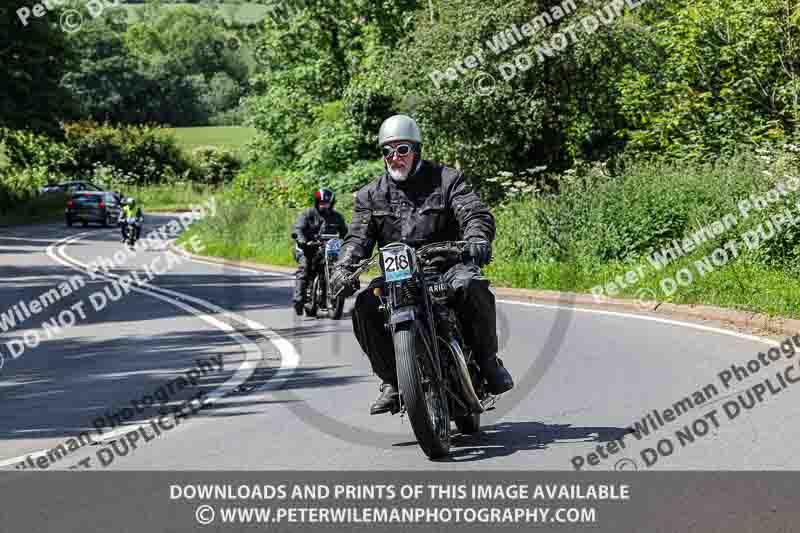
column 421, row 312
column 327, row 273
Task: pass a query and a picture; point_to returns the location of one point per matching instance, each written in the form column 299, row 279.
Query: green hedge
column 143, row 154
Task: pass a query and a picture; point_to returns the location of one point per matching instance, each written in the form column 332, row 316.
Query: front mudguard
column 402, row 315
column 409, row 315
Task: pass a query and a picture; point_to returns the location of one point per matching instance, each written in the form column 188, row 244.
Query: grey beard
column 397, row 175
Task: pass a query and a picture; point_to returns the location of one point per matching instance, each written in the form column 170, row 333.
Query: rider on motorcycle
column 130, row 210
column 419, row 202
column 306, row 230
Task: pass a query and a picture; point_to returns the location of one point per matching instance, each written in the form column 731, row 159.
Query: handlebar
column 456, row 247
column 320, row 239
column 444, row 247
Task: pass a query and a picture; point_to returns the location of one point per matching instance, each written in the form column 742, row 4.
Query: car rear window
column 88, row 199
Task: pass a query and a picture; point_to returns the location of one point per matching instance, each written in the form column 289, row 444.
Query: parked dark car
column 92, row 206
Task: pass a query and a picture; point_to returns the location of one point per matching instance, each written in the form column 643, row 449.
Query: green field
column 231, row 137
column 172, row 196
column 242, row 12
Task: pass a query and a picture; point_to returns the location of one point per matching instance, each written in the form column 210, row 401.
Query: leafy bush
column 721, row 73
column 27, row 149
column 601, row 216
column 783, row 250
column 215, row 165
column 281, row 188
column 356, row 176
column 264, row 186
column 230, row 117
column 31, row 161
column 279, row 115
column 111, row 177
column 145, row 152
column 368, row 102
column 329, row 145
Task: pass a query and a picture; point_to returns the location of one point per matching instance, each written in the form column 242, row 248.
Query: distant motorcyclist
column 130, row 210
column 420, row 202
column 309, row 225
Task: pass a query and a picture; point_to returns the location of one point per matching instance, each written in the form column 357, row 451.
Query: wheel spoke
column 434, row 396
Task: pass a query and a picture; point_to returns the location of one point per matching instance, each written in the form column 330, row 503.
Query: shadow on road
column 508, row 438
column 59, row 391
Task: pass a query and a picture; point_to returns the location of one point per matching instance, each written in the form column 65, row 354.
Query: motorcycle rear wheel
column 425, row 402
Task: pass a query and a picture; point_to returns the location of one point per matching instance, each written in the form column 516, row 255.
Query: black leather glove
column 340, row 280
column 480, row 251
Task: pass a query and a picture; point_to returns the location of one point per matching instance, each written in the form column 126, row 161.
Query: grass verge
column 741, row 284
column 243, row 232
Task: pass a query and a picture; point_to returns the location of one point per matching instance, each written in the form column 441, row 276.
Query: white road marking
column 243, row 269
column 700, row 327
column 289, row 357
column 35, row 278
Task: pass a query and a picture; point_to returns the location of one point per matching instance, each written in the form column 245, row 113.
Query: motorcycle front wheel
column 424, row 400
column 336, row 307
column 312, row 305
column 468, row 424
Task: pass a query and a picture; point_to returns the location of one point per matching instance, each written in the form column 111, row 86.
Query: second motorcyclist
column 306, row 230
column 130, row 210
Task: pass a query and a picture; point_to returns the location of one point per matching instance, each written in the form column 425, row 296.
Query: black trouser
column 135, row 228
column 304, row 272
column 469, row 296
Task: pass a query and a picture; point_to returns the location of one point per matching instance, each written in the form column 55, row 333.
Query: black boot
column 298, row 308
column 387, row 401
column 498, row 379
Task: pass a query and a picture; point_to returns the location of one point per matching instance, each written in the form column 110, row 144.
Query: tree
column 107, row 81
column 724, row 73
column 33, row 59
column 312, row 51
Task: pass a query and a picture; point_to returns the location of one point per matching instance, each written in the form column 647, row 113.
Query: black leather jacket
column 310, row 222
column 435, row 204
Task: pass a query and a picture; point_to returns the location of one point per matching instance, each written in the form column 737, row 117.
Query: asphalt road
column 293, row 393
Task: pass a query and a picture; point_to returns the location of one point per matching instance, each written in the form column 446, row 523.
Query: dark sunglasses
column 402, row 149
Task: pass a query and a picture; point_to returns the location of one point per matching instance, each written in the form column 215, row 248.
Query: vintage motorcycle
column 320, row 302
column 437, row 374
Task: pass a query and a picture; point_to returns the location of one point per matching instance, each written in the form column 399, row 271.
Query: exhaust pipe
column 466, row 381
